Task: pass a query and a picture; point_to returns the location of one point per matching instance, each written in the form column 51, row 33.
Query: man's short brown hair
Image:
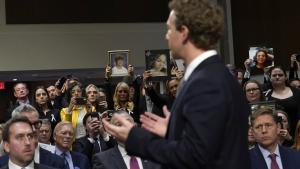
column 263, row 111
column 203, row 18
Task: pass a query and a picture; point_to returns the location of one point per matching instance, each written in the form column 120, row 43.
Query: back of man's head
column 203, row 18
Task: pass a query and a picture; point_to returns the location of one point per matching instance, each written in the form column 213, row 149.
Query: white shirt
column 48, row 147
column 199, row 59
column 80, row 129
column 37, row 154
column 11, row 165
column 126, row 158
column 266, row 154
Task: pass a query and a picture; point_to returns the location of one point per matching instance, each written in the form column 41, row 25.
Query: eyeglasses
column 251, row 90
column 260, row 127
column 37, row 124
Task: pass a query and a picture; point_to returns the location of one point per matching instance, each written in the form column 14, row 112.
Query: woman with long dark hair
column 43, row 105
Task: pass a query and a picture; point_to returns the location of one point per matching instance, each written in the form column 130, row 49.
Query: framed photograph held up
column 158, row 63
column 119, row 61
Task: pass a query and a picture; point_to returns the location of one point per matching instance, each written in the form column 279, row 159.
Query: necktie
column 134, row 163
column 97, row 148
column 64, row 156
column 274, row 164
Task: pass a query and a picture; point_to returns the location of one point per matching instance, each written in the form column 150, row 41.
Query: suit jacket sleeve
column 97, row 163
column 204, row 108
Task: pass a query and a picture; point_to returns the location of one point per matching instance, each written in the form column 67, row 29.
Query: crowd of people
column 202, row 120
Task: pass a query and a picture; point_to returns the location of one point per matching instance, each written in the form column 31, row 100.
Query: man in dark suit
column 21, row 94
column 63, row 135
column 19, row 141
column 117, row 157
column 96, row 140
column 209, row 118
column 41, row 155
column 267, row 154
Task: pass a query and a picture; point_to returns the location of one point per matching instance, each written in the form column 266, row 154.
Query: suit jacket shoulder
column 110, row 159
column 41, row 166
column 50, row 159
column 80, row 160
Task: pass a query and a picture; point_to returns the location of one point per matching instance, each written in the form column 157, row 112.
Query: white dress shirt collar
column 199, row 59
column 266, row 155
column 126, row 157
column 12, row 165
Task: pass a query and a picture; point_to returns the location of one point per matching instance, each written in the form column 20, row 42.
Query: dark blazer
column 80, row 161
column 36, row 166
column 289, row 158
column 46, row 158
column 208, row 124
column 112, row 159
column 84, row 146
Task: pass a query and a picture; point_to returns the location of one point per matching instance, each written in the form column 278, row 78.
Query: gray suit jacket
column 112, row 159
column 36, row 166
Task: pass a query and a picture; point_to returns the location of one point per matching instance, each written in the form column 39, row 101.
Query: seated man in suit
column 96, row 140
column 63, row 136
column 268, row 154
column 117, row 157
column 19, row 141
column 41, row 156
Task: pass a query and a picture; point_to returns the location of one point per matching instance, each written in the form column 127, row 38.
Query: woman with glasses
column 44, row 107
column 253, row 91
column 285, row 96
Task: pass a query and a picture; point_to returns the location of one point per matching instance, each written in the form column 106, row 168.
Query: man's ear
column 185, row 33
column 15, row 94
column 6, row 147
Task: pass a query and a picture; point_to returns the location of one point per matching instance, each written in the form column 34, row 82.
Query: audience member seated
column 285, row 138
column 63, row 136
column 21, row 94
column 20, row 143
column 45, row 135
column 253, row 91
column 286, row 97
column 42, row 103
column 96, row 140
column 41, row 156
column 268, row 154
column 117, row 157
column 76, row 110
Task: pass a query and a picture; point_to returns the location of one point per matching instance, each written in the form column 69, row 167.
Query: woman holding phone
column 96, row 98
column 78, row 107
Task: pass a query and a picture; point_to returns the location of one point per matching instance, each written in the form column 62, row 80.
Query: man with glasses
column 41, row 156
column 268, row 154
column 19, row 141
